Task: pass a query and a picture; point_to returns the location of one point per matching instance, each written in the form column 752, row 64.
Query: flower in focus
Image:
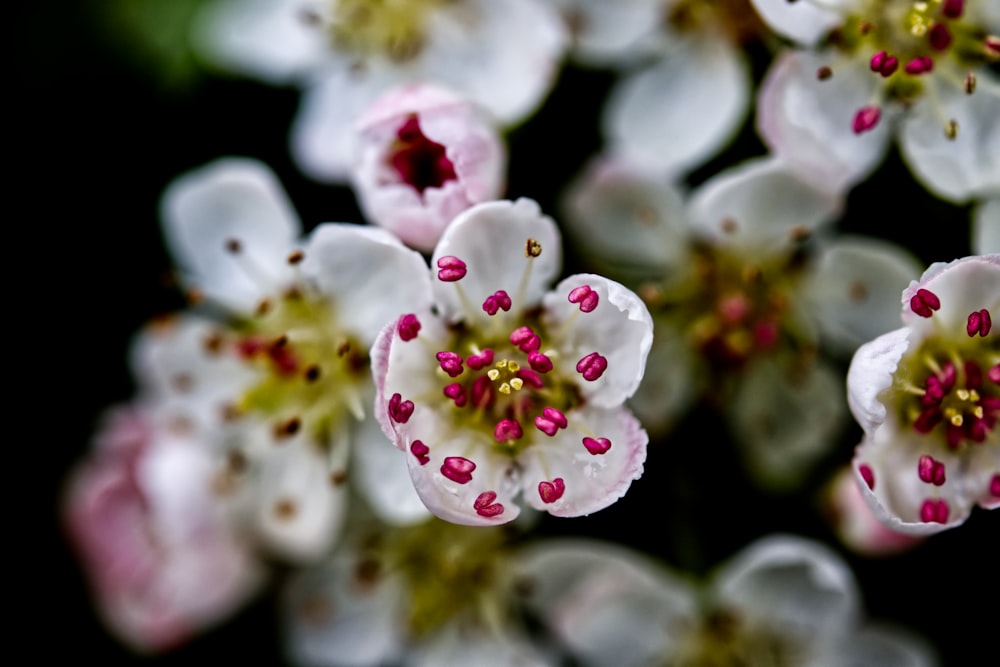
column 273, row 367
column 425, row 155
column 686, row 86
column 745, row 288
column 503, row 56
column 163, row 558
column 916, row 70
column 782, row 601
column 504, row 387
column 432, row 594
column 928, row 398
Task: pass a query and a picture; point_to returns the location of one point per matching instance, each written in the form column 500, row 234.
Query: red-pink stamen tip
column 980, row 323
column 456, row 392
column 597, row 446
column 499, row 300
column 531, row 378
column 550, row 421
column 592, row 366
column 481, row 360
column 507, row 429
column 585, row 296
column 458, row 469
column 934, row 511
column 451, row 362
column 930, row 470
column 995, row 486
column 939, row 37
column 551, row 491
column 451, row 269
column 539, row 362
column 953, row 8
column 399, row 409
column 408, row 327
column 866, row 118
column 994, row 374
column 526, row 339
column 420, row 450
column 485, row 506
column 920, row 65
column 867, row 474
column 924, row 303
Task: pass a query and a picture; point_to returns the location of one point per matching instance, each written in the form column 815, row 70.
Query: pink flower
column 928, row 398
column 511, row 388
column 424, row 156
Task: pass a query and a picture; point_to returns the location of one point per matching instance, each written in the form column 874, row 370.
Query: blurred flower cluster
column 656, row 371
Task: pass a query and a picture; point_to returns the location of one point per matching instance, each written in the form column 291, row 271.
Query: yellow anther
column 517, row 383
column 956, row 420
column 513, row 366
column 532, row 248
column 493, row 374
column 502, row 363
column 973, row 395
column 962, row 394
column 978, row 412
column 504, row 388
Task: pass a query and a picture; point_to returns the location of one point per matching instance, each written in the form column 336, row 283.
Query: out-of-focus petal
column 803, row 22
column 986, row 227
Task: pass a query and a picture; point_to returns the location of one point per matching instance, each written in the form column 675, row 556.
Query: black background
column 96, row 137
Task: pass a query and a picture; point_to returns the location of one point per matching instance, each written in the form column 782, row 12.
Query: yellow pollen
column 973, row 395
column 956, row 420
column 502, row 363
column 504, row 388
column 513, row 366
column 493, row 374
column 978, row 412
column 517, row 383
column 962, row 394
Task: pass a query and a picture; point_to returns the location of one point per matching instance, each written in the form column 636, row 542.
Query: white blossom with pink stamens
column 928, row 398
column 506, row 387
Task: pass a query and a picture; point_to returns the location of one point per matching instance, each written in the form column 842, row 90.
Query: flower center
column 395, row 29
column 418, row 161
column 732, row 309
column 309, row 370
column 723, row 639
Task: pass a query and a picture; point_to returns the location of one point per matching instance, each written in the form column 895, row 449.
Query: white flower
column 686, row 85
column 424, row 156
column 502, row 55
column 428, row 595
column 986, row 227
column 744, row 287
column 164, row 560
column 274, row 369
column 782, row 601
column 928, row 398
column 505, row 387
column 916, row 70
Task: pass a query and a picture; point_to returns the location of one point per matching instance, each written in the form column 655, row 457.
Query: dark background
column 98, row 131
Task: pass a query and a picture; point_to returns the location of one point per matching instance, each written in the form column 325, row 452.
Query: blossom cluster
column 648, row 409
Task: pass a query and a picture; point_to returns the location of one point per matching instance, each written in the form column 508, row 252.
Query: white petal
column 455, row 644
column 760, row 204
column 606, row 33
column 369, row 276
column 986, row 227
column 803, row 22
column 592, row 481
column 230, row 199
column 854, row 287
column 610, row 605
column 962, row 286
column 490, row 238
column 969, row 165
column 300, row 510
column 619, row 329
column 795, row 586
column 680, row 111
column 626, row 218
column 870, row 373
column 809, row 122
column 379, row 472
column 267, row 39
column 333, row 619
column 785, row 419
column 884, row 646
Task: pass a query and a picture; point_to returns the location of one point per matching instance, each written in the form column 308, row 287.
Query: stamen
column 939, row 37
column 526, row 339
column 485, row 505
column 535, row 381
column 934, row 510
column 970, row 83
column 532, row 248
column 953, row 8
column 296, row 257
column 919, row 65
column 539, row 362
column 312, row 373
column 592, row 366
column 458, row 469
column 866, row 118
column 287, row 428
column 924, row 303
column 420, row 450
column 451, row 268
column 930, row 470
column 951, row 129
column 456, row 392
column 400, row 410
column 585, row 296
column 507, row 430
column 824, row 73
column 499, row 300
column 867, row 474
column 481, row 360
column 995, row 486
column 551, row 491
column 980, row 323
column 884, row 64
column 408, row 327
column 450, row 362
column 597, row 446
column 550, row 421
